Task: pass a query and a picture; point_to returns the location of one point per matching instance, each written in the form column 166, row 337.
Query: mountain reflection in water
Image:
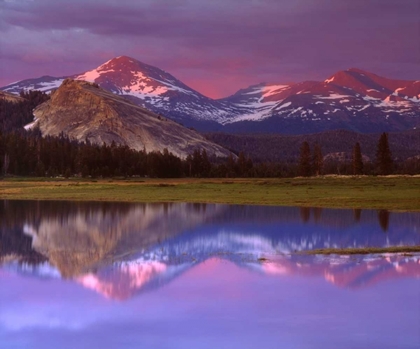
column 120, row 250
column 108, row 275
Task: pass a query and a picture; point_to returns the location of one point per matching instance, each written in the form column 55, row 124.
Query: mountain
column 145, row 85
column 352, row 99
column 86, row 112
column 9, row 97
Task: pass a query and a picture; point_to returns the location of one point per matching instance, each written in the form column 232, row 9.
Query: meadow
column 398, row 193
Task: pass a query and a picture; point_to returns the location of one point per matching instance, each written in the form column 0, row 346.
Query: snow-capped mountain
column 351, row 99
column 147, row 86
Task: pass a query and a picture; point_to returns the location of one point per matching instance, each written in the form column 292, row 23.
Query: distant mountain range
column 352, row 99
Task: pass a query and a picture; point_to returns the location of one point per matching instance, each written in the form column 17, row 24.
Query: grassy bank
column 365, row 250
column 391, row 193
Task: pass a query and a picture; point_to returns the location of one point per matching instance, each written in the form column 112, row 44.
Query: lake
column 114, row 275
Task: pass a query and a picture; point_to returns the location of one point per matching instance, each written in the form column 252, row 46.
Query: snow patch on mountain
column 139, row 87
column 257, row 114
column 92, row 75
column 32, row 125
column 332, row 96
column 285, row 105
column 46, row 86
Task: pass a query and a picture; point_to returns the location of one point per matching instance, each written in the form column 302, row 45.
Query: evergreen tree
column 242, row 165
column 384, row 161
column 318, row 160
column 197, row 163
column 357, row 160
column 230, row 167
column 205, row 164
column 305, row 160
column 188, row 169
column 6, row 163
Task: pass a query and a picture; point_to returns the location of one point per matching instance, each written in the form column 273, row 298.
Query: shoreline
column 363, row 250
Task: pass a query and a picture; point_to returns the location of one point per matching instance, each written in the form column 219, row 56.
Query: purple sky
column 215, row 46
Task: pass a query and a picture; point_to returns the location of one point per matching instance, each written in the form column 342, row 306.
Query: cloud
column 214, row 41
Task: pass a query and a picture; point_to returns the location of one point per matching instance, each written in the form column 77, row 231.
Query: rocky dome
column 85, row 112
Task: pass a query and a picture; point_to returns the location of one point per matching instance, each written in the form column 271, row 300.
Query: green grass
column 391, row 193
column 365, row 250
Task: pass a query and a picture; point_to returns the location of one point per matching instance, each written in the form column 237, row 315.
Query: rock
column 85, row 112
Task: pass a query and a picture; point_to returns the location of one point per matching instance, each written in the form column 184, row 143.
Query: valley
column 209, row 174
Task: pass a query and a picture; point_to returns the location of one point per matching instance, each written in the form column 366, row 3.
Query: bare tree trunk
column 6, row 163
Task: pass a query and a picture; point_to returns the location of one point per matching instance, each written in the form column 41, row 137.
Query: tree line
column 27, row 153
column 313, row 165
column 30, row 154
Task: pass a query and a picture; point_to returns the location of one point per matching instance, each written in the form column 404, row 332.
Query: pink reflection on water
column 122, row 285
column 348, row 271
column 127, row 279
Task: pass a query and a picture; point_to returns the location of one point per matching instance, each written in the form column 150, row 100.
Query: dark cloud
column 216, row 46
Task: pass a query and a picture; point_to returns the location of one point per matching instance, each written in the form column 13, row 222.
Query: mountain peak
column 124, row 62
column 124, row 58
column 357, row 70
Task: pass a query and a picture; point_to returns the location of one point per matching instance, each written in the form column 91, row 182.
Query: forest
column 27, row 153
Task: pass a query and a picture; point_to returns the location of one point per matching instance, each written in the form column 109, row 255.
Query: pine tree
column 242, row 165
column 357, row 160
column 318, row 160
column 230, row 166
column 305, row 160
column 197, row 163
column 205, row 164
column 384, row 161
column 188, row 162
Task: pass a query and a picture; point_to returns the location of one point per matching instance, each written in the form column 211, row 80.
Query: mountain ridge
column 349, row 99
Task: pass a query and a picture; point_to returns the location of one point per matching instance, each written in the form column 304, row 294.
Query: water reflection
column 317, row 213
column 195, row 275
column 305, row 214
column 383, row 218
column 121, row 249
column 357, row 212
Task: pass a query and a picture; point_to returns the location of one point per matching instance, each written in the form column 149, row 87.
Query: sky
column 217, row 46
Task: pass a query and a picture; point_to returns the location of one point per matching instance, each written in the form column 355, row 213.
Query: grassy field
column 391, row 193
column 365, row 250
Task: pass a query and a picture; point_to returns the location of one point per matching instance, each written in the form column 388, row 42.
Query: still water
column 103, row 275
